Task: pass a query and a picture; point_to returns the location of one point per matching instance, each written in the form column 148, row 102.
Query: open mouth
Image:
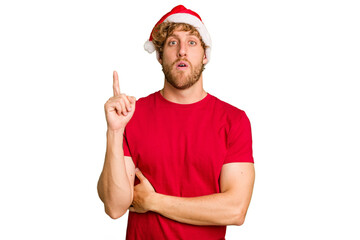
column 182, row 65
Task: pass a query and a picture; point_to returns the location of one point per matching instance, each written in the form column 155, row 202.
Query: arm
column 115, row 186
column 228, row 207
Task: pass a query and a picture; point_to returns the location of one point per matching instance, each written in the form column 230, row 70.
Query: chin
column 182, row 79
column 181, row 85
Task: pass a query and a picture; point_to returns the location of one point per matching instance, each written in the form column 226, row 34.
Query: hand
column 143, row 194
column 120, row 108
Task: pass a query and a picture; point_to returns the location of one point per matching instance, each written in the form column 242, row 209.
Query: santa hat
column 180, row 14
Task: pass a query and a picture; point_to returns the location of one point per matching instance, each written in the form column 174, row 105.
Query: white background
column 293, row 66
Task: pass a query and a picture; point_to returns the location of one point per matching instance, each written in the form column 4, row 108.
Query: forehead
column 180, row 33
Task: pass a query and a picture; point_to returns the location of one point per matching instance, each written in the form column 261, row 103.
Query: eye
column 193, row 43
column 173, row 42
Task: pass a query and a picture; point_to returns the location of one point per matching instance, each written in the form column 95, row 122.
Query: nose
column 182, row 50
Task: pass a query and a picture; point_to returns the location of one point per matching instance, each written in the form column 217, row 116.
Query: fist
column 120, row 108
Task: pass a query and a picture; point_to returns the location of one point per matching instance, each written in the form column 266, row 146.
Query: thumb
column 139, row 175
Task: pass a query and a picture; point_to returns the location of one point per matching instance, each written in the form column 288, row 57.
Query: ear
column 205, row 60
column 158, row 57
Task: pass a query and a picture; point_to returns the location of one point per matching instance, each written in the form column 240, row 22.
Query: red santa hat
column 180, row 14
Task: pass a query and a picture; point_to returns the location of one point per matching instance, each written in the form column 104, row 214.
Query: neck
column 184, row 96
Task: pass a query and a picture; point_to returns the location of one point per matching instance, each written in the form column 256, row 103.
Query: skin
column 228, row 207
column 115, row 185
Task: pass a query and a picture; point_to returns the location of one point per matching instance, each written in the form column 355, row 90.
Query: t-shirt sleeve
column 239, row 140
column 126, row 146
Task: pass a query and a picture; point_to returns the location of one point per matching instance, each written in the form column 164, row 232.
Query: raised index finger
column 116, row 87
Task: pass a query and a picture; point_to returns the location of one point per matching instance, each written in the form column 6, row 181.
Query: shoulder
column 143, row 101
column 227, row 109
column 145, row 104
column 143, row 108
column 229, row 117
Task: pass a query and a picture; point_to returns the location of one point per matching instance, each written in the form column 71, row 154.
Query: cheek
column 200, row 55
column 166, row 56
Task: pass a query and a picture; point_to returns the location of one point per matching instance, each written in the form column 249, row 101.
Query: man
column 191, row 152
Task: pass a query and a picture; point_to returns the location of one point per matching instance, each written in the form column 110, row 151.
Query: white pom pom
column 149, row 46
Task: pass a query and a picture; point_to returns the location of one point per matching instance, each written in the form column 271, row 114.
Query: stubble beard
column 180, row 79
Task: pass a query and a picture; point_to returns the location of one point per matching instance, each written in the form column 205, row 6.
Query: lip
column 184, row 67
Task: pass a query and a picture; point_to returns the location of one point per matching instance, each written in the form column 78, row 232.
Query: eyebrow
column 176, row 35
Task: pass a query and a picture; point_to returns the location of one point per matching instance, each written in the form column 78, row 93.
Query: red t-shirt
column 180, row 149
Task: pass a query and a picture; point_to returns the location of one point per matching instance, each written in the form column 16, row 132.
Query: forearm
column 114, row 187
column 214, row 209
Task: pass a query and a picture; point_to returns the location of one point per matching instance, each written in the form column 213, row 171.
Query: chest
column 180, row 149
